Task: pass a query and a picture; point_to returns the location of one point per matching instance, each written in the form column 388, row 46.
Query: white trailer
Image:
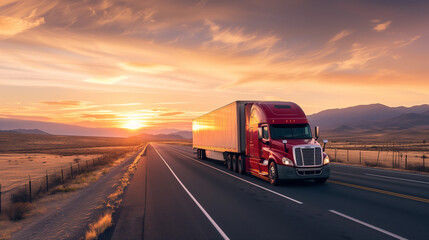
column 221, row 131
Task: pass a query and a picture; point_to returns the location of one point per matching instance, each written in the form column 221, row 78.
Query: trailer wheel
column 203, row 154
column 272, row 173
column 234, row 163
column 241, row 166
column 199, row 153
column 229, row 161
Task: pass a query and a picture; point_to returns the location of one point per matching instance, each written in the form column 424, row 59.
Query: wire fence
column 32, row 188
column 412, row 160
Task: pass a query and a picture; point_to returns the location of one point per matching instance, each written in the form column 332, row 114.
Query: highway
column 173, row 195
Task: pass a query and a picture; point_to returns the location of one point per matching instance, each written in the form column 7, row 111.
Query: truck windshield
column 290, row 131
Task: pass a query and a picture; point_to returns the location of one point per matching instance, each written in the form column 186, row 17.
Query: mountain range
column 374, row 122
column 26, row 131
column 39, row 127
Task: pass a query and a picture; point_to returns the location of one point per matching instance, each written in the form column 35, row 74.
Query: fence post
column 360, row 157
column 335, row 154
column 406, row 161
column 71, row 170
column 47, row 181
column 62, row 175
column 378, row 156
column 29, row 186
column 347, row 155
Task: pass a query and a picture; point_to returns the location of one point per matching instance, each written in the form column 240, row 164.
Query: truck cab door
column 264, row 146
column 254, row 146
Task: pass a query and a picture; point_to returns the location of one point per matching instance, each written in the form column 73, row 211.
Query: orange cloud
column 146, row 67
column 10, row 26
column 63, row 103
column 106, row 80
column 340, row 35
column 382, row 26
column 238, row 37
column 170, row 114
column 99, row 116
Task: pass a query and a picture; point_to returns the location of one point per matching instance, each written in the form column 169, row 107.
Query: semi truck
column 269, row 139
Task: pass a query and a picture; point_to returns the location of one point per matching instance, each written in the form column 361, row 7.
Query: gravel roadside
column 72, row 217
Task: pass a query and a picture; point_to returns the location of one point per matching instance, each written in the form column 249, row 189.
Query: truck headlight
column 326, row 160
column 287, row 161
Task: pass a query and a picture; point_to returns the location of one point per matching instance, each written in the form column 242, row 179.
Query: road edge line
column 368, row 225
column 221, row 232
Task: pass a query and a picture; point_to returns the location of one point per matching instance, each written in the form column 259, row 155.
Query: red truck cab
column 280, row 145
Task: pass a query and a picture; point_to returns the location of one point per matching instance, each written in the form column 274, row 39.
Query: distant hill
column 343, row 128
column 26, row 131
column 8, row 124
column 374, row 122
column 147, row 136
column 61, row 129
column 184, row 134
column 58, row 144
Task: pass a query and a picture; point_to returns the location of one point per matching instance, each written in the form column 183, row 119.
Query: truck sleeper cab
column 271, row 140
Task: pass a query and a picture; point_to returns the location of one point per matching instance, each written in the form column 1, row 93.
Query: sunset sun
column 133, row 124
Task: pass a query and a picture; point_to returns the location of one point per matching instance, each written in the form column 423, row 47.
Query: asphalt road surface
column 173, row 195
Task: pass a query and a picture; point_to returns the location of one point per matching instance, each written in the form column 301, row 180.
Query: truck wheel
column 203, row 154
column 229, row 161
column 272, row 173
column 320, row 180
column 241, row 166
column 199, row 153
column 234, row 163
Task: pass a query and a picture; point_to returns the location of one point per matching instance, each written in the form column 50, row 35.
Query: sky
column 161, row 63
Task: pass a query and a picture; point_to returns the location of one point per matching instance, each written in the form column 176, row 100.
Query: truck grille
column 308, row 171
column 308, row 156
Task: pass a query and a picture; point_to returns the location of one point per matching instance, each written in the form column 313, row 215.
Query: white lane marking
column 400, row 179
column 381, row 170
column 256, row 185
column 368, row 225
column 222, row 233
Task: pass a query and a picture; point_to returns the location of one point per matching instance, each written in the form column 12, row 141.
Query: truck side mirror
column 316, row 132
column 284, row 143
column 259, row 133
column 325, row 141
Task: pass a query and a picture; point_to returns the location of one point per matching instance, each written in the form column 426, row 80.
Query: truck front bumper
column 303, row 173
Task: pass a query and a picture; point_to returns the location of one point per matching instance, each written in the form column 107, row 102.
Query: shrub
column 64, row 189
column 370, row 164
column 18, row 210
column 97, row 228
column 20, row 196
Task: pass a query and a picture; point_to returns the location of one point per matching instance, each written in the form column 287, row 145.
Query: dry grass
column 97, row 228
column 23, row 209
column 35, row 143
column 64, row 189
column 18, row 210
column 182, row 143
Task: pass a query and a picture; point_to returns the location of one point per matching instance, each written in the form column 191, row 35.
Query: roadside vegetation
column 412, row 156
column 24, row 198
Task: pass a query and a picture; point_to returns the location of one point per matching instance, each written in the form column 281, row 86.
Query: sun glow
column 133, row 124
